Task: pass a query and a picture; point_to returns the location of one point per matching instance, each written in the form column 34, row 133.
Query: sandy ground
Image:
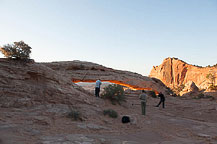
column 183, row 121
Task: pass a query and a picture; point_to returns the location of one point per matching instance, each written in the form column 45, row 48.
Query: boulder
column 189, row 87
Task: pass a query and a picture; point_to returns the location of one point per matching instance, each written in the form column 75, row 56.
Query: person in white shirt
column 97, row 87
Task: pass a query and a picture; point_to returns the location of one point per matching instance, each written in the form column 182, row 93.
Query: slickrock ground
column 182, row 121
column 34, row 102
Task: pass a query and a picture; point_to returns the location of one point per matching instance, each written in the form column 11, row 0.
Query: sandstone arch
column 80, row 71
column 133, row 87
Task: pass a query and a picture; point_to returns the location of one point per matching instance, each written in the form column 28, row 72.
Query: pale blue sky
column 131, row 35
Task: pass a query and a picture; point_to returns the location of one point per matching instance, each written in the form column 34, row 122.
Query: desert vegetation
column 74, row 114
column 212, row 87
column 111, row 113
column 114, row 93
column 152, row 94
column 211, row 78
column 18, row 50
column 203, row 96
column 178, row 89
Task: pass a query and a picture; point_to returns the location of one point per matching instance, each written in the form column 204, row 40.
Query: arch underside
column 80, row 71
column 133, row 87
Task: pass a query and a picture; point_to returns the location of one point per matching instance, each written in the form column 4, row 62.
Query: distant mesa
column 174, row 73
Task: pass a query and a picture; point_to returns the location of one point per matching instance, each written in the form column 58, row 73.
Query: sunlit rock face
column 174, row 72
column 190, row 88
column 80, row 71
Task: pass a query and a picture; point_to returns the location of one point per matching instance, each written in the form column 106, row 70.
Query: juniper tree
column 18, row 50
column 211, row 77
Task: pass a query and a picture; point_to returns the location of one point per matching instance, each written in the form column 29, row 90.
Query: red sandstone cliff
column 174, row 72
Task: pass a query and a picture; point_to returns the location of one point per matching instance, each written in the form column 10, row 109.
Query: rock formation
column 26, row 84
column 80, row 71
column 35, row 101
column 190, row 88
column 174, row 72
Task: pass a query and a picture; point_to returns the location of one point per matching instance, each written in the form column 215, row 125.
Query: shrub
column 202, row 96
column 212, row 87
column 211, row 78
column 173, row 95
column 74, row 115
column 152, row 94
column 210, row 97
column 18, row 50
column 111, row 113
column 178, row 89
column 115, row 93
column 93, row 68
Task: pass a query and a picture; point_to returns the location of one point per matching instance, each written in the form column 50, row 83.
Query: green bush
column 115, row 93
column 74, row 115
column 18, row 50
column 111, row 113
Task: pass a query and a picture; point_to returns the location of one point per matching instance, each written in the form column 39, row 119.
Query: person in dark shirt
column 162, row 100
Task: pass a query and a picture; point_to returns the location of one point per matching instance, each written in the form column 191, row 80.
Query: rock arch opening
column 80, row 71
column 132, row 87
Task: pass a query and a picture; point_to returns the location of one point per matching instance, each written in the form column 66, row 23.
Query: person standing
column 162, row 99
column 97, row 87
column 143, row 98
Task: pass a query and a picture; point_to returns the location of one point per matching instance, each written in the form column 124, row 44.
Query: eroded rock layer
column 174, row 72
column 26, row 84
